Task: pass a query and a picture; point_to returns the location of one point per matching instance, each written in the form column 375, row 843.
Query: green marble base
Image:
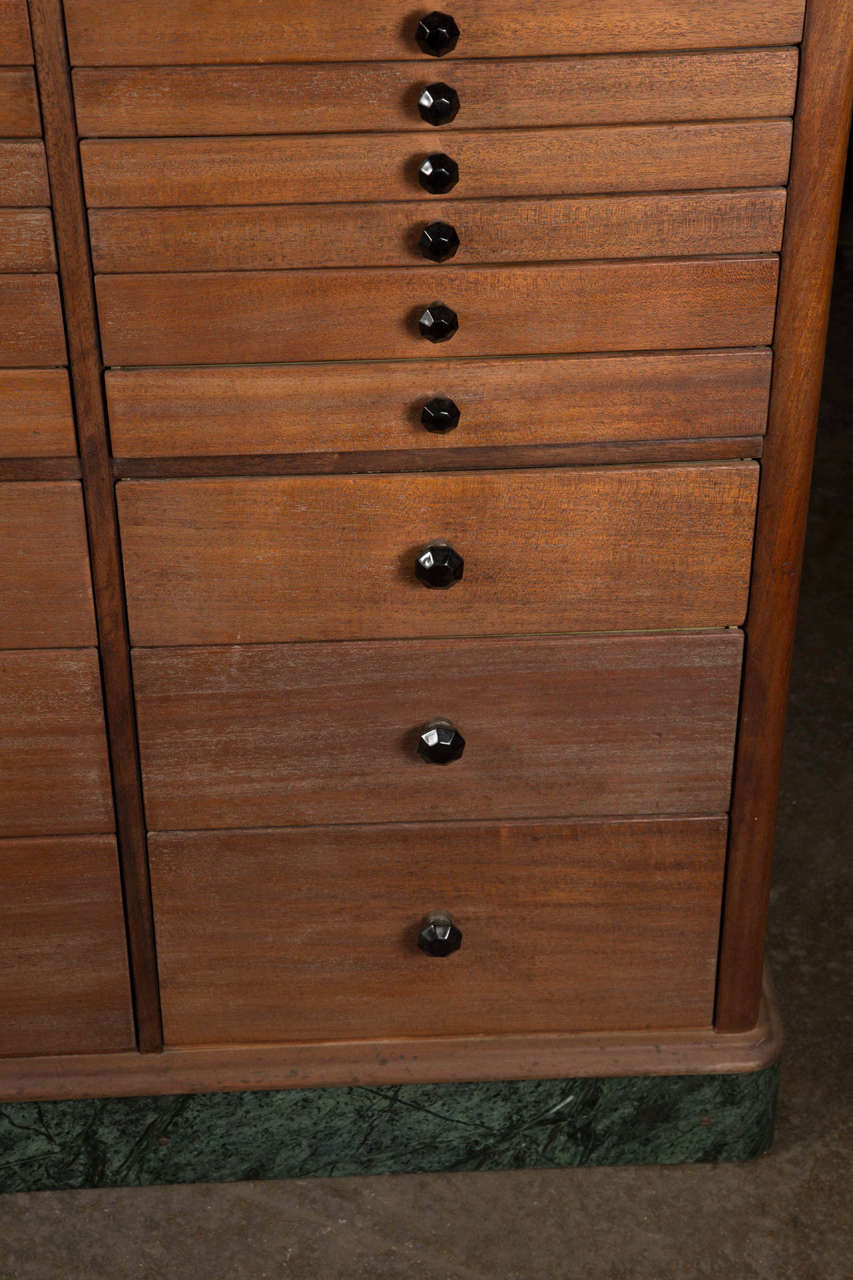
column 224, row 1137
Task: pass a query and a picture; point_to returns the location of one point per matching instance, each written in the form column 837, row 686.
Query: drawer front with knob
column 353, row 933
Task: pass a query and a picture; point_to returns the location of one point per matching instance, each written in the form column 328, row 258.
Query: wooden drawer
column 53, row 752
column 36, row 419
column 45, row 583
column 26, row 240
column 252, row 238
column 337, row 98
column 210, row 31
column 15, row 46
column 64, row 984
column 333, row 557
column 19, row 108
column 312, row 934
column 226, row 171
column 373, row 315
column 177, row 412
column 23, row 174
column 302, row 734
column 31, row 326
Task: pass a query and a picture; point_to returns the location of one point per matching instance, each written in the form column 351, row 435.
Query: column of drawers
column 265, row 207
column 63, row 972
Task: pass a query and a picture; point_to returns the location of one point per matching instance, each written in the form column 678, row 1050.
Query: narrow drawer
column 19, row 108
column 53, row 751
column 45, row 583
column 64, row 985
column 15, row 46
column 36, row 419
column 217, row 318
column 26, row 240
column 296, row 735
column 312, row 934
column 336, row 557
column 300, row 98
column 211, row 31
column 31, row 326
column 23, row 175
column 290, row 170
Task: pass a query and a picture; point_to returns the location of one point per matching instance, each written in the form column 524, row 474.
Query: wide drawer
column 211, row 31
column 19, row 108
column 197, row 318
column 312, row 934
column 295, row 735
column 15, row 46
column 53, row 750
column 378, row 97
column 31, row 326
column 334, row 557
column 64, row 984
column 36, row 419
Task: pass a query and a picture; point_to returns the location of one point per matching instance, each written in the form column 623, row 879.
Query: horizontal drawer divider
column 440, row 824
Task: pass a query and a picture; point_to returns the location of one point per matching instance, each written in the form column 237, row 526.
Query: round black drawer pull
column 438, row 174
column 437, row 34
column 440, row 743
column 439, row 936
column 439, row 104
column 440, row 415
column 438, row 323
column 439, row 241
column 439, row 566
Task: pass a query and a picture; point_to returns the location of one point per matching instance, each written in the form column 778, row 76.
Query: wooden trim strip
column 75, row 274
column 820, row 142
column 39, row 469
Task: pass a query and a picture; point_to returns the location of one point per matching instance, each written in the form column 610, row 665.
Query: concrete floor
column 786, row 1216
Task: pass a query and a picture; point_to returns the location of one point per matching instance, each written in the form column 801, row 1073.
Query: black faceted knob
column 437, row 34
column 440, row 743
column 439, row 104
column 438, row 323
column 439, row 241
column 439, row 566
column 438, row 174
column 440, row 415
column 439, row 936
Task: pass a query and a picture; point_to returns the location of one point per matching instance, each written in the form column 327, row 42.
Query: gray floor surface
column 785, row 1217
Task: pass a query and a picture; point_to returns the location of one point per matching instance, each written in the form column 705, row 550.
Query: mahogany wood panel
column 36, row 419
column 26, row 240
column 379, row 96
column 324, row 733
column 211, row 31
column 15, row 46
column 44, row 567
column 32, row 331
column 63, row 964
column 379, row 235
column 223, row 171
column 312, row 934
column 332, row 557
column 53, row 752
column 248, row 316
column 815, row 198
column 186, row 412
column 19, row 108
column 23, row 174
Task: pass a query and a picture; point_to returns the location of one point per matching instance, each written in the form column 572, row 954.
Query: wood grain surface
column 19, row 108
column 23, row 174
column 380, row 96
column 53, row 752
column 32, row 330
column 302, row 734
column 63, row 964
column 36, row 419
column 223, row 171
column 188, row 412
column 333, row 557
column 15, row 46
column 247, row 238
column 45, row 584
column 312, row 934
column 26, row 240
column 217, row 317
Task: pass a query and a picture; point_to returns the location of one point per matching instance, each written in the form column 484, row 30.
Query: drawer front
column 19, row 108
column 374, row 315
column 15, row 46
column 178, row 412
column 36, row 418
column 64, row 984
column 384, row 96
column 23, row 175
column 53, row 751
column 31, row 326
column 224, row 31
column 281, row 237
column 312, row 934
column 235, row 171
column 294, row 735
column 45, row 583
column 26, row 240
column 334, row 557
